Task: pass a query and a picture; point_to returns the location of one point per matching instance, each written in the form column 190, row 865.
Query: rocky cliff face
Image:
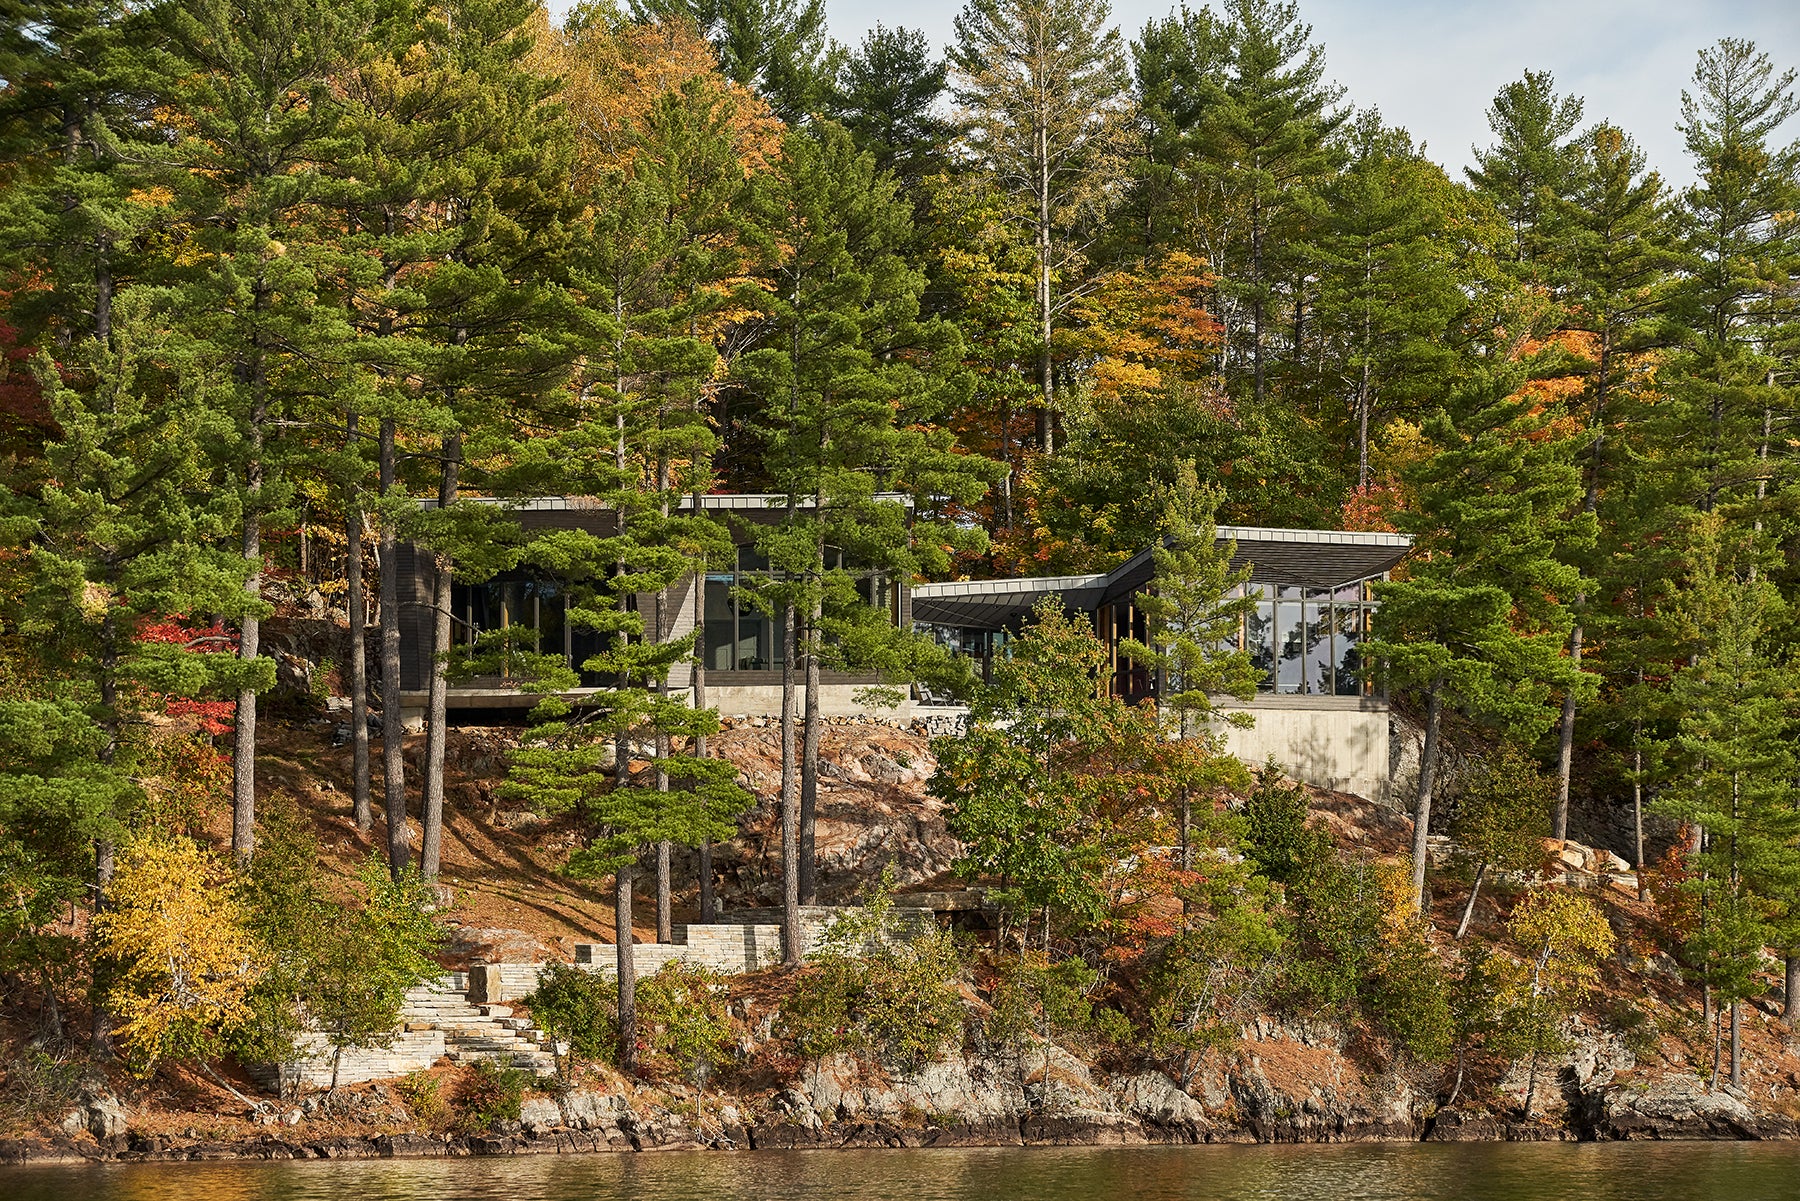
column 873, row 812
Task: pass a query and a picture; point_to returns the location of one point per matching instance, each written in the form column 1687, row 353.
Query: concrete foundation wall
column 764, row 700
column 1341, row 743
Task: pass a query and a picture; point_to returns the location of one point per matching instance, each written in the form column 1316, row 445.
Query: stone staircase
column 477, row 1032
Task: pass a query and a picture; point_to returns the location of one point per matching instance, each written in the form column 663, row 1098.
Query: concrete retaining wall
column 1341, row 743
column 413, row 1051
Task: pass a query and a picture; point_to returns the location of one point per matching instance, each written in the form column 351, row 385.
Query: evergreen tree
column 1264, row 139
column 886, row 94
column 1192, row 619
column 113, row 543
column 845, row 358
column 776, row 47
column 80, row 137
column 1480, row 619
column 1736, row 786
column 1614, row 260
column 1044, row 88
column 1391, row 286
column 1530, row 169
column 259, row 124
column 1737, row 242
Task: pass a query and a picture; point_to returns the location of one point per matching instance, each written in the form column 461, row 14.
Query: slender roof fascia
column 761, row 501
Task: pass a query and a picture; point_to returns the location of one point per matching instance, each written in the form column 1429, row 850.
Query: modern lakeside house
column 1315, row 714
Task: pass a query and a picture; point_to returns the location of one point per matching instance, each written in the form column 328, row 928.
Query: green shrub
column 486, row 1096
column 424, row 1095
column 1408, row 999
column 684, row 1009
column 1034, row 998
column 1280, row 843
column 580, row 1008
column 37, row 1085
column 867, row 992
column 1633, row 1026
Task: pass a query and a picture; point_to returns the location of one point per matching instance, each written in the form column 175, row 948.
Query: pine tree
column 1264, row 139
column 659, row 241
column 886, row 94
column 259, row 124
column 1614, row 260
column 1192, row 618
column 79, row 133
column 1736, row 242
column 1479, row 621
column 1044, row 88
column 1391, row 286
column 1736, row 785
column 114, row 556
column 452, row 194
column 1530, row 169
column 776, row 47
column 844, row 349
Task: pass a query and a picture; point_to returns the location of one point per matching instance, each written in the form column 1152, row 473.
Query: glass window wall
column 1306, row 641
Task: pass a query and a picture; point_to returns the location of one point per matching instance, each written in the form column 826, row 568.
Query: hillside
column 1634, row 1063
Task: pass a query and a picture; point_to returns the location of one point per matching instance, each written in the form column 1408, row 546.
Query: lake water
column 1385, row 1172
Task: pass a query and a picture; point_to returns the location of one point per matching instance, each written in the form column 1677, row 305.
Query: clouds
column 1434, row 65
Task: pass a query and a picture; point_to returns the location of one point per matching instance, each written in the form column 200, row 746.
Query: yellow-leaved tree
column 1566, row 938
column 180, row 958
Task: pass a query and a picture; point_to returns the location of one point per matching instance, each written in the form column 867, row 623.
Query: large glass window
column 1259, row 640
column 1303, row 640
column 531, row 611
column 1349, row 627
column 1290, row 640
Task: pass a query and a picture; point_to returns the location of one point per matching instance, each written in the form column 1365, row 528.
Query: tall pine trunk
column 626, row 961
column 790, row 808
column 1565, row 746
column 356, row 609
column 809, row 751
column 431, row 840
column 393, row 730
column 665, row 927
column 1428, row 755
column 243, row 733
column 708, row 905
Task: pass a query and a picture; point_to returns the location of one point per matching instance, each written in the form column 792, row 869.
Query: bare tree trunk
column 1462, row 927
column 626, row 961
column 1737, row 1046
column 790, row 808
column 1046, row 378
column 243, row 733
column 708, row 904
column 393, row 731
column 665, row 924
column 1434, row 713
column 809, row 751
column 356, row 609
column 1790, row 986
column 437, row 730
column 1565, row 753
column 1637, row 821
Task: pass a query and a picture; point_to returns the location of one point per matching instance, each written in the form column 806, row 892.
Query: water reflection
column 1606, row 1172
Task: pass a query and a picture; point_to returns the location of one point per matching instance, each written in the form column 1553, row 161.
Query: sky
column 1433, row 66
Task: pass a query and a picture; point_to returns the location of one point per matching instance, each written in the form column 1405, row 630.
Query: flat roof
column 1307, row 558
column 711, row 500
